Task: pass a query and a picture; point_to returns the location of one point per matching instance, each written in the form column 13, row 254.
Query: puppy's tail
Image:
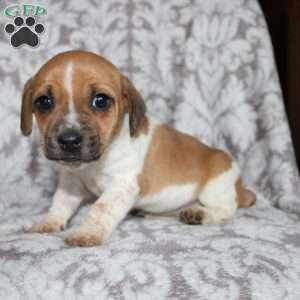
column 245, row 197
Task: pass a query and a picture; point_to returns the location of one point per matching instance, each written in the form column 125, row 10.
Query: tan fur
column 143, row 127
column 26, row 109
column 135, row 106
column 246, row 198
column 175, row 158
column 172, row 159
column 103, row 77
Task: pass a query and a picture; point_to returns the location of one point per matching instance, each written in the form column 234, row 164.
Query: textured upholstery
column 204, row 66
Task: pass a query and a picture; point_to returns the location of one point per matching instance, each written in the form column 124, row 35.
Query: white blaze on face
column 71, row 116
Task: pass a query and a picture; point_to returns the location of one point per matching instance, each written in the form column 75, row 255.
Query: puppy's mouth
column 71, row 159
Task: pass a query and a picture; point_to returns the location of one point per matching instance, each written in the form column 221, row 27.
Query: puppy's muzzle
column 72, row 144
column 70, row 141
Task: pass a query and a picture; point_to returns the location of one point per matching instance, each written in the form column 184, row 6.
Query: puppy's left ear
column 26, row 109
column 135, row 104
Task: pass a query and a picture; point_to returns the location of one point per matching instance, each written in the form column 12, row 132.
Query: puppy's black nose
column 69, row 140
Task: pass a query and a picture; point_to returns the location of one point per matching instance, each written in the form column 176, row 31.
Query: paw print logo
column 24, row 33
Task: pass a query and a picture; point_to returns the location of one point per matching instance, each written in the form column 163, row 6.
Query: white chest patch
column 68, row 81
column 168, row 199
column 123, row 159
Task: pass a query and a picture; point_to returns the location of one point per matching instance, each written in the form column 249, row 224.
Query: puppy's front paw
column 84, row 239
column 46, row 227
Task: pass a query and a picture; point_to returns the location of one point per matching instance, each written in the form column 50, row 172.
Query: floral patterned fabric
column 204, row 66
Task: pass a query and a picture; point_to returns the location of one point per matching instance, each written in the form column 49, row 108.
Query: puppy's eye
column 100, row 102
column 44, row 104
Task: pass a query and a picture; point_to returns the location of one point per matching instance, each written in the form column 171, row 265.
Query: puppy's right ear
column 26, row 109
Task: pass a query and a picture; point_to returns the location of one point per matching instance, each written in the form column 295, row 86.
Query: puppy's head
column 79, row 100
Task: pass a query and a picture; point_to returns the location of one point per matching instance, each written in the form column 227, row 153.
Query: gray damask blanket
column 205, row 66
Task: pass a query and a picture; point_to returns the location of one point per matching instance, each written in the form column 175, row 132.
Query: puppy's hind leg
column 218, row 200
column 219, row 197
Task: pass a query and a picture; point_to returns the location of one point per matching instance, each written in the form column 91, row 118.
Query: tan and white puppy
column 93, row 122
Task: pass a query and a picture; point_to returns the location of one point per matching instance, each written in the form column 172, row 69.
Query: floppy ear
column 26, row 109
column 135, row 104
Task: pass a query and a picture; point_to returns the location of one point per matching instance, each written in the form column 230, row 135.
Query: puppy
column 93, row 122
